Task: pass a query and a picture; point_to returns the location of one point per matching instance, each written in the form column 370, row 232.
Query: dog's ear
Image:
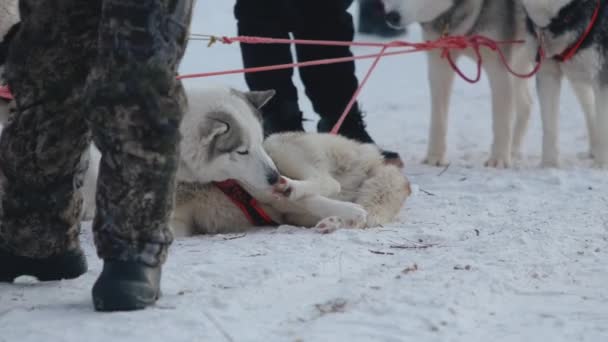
column 259, row 98
column 212, row 128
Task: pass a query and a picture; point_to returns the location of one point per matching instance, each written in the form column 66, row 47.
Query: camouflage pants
column 102, row 70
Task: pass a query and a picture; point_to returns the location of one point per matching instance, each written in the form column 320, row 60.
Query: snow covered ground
column 513, row 255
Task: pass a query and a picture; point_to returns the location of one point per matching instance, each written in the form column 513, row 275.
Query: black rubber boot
column 354, row 128
column 372, row 20
column 282, row 117
column 126, row 286
column 70, row 265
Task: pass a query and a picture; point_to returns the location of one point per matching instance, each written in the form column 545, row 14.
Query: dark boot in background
column 68, row 265
column 372, row 20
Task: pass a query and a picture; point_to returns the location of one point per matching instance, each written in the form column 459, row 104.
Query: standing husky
column 497, row 19
column 580, row 55
column 302, row 179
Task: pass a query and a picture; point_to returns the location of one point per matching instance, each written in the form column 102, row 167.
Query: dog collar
column 244, row 201
column 572, row 50
column 5, row 93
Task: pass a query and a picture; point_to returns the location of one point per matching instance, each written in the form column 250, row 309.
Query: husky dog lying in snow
column 563, row 24
column 302, row 179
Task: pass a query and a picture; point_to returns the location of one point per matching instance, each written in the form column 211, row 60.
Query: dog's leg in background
column 441, row 79
column 382, row 195
column 523, row 102
column 601, row 127
column 501, row 85
column 549, row 85
column 586, row 97
column 523, row 108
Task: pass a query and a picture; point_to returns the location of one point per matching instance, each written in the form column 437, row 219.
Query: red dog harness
column 244, row 201
column 572, row 50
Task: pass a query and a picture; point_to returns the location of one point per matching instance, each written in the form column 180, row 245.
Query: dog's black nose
column 393, row 18
column 273, row 177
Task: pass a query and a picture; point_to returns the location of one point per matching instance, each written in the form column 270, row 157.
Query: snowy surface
column 513, row 255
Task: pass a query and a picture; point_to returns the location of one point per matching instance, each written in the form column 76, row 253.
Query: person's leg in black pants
column 330, row 87
column 282, row 113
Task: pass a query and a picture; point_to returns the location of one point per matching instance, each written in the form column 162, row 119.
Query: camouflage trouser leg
column 41, row 150
column 136, row 106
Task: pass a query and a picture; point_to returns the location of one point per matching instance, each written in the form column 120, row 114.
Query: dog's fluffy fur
column 326, row 181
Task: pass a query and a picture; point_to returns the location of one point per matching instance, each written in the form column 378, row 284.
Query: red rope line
column 445, row 44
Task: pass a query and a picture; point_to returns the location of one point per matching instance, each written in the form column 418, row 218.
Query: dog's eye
column 242, row 153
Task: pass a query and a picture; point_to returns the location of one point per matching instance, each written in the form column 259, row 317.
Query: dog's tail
column 383, row 194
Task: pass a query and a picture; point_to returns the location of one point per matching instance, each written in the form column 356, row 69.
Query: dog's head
column 222, row 139
column 560, row 22
column 400, row 13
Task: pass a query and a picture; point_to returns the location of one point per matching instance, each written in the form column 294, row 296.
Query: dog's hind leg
column 523, row 108
column 586, row 98
column 382, row 195
column 549, row 84
column 441, row 79
column 501, row 84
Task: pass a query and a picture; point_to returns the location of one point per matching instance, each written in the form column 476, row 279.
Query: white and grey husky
column 506, row 20
column 501, row 20
column 575, row 46
column 301, row 179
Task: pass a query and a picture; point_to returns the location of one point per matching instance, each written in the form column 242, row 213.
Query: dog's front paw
column 284, row 188
column 498, row 162
column 435, row 160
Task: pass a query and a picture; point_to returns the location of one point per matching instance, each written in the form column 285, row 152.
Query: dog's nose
column 273, row 177
column 393, row 18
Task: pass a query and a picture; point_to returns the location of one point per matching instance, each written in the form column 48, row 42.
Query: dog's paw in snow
column 498, row 162
column 435, row 160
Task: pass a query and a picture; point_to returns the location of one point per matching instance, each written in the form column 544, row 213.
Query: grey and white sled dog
column 560, row 26
column 506, row 20
column 302, row 179
column 499, row 20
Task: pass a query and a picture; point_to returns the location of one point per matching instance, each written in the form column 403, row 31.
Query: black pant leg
column 266, row 19
column 329, row 87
